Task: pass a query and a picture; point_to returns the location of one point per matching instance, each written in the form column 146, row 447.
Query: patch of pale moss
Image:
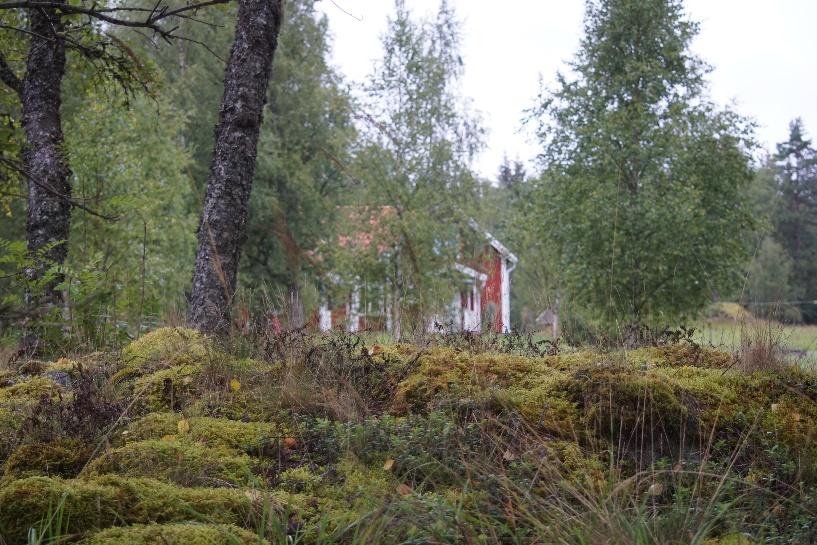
column 683, row 355
column 183, row 462
column 62, row 364
column 175, row 534
column 447, row 373
column 580, row 469
column 249, row 437
column 545, row 408
column 102, row 502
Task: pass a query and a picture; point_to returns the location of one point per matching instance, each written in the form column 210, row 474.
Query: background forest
column 647, row 203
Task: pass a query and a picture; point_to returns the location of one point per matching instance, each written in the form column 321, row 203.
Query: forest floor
column 313, row 439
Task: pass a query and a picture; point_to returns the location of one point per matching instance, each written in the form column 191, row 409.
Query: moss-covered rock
column 172, row 345
column 179, row 461
column 162, row 348
column 173, row 388
column 175, row 534
column 102, row 502
column 63, row 458
column 250, row 437
column 619, row 403
column 30, row 391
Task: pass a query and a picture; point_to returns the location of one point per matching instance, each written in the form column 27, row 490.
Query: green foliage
column 300, row 176
column 303, row 145
column 644, row 195
column 770, row 284
column 413, row 166
column 796, row 161
column 15, row 260
column 137, row 264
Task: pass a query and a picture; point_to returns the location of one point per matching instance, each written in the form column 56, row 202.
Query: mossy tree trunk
column 222, row 228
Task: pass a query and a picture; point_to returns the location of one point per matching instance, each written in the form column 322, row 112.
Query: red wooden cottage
column 483, row 303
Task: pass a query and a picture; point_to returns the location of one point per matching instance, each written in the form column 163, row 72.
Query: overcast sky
column 764, row 54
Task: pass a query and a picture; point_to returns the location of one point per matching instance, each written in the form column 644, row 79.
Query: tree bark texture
column 46, row 165
column 222, row 228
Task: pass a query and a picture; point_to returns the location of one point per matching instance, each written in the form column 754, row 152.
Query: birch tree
column 223, row 226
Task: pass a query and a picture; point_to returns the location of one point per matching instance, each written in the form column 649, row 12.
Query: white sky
column 764, row 54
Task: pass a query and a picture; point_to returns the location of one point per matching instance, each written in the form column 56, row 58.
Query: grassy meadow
column 732, row 328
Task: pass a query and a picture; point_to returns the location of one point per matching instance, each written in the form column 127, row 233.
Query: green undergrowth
column 322, row 439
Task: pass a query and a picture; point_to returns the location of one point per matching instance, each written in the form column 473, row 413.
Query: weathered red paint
column 338, row 316
column 492, row 291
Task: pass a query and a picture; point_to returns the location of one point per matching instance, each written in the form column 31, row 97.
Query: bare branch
column 350, row 14
column 154, row 16
column 13, row 165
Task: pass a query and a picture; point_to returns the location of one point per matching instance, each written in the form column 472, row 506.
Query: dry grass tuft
column 762, row 346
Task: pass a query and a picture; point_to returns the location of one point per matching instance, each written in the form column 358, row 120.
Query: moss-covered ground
column 324, row 439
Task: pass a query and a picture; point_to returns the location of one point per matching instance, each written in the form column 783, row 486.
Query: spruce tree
column 796, row 218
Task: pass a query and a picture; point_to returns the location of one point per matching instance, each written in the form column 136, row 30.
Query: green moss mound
column 173, row 345
column 63, row 458
column 248, row 437
column 431, row 445
column 10, row 422
column 30, row 391
column 173, row 388
column 179, row 461
column 175, row 534
column 106, row 501
column 162, row 348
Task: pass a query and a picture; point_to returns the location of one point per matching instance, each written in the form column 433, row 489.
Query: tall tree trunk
column 49, row 189
column 222, row 229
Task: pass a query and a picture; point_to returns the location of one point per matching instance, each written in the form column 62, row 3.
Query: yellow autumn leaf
column 389, row 464
column 183, row 425
column 235, row 385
